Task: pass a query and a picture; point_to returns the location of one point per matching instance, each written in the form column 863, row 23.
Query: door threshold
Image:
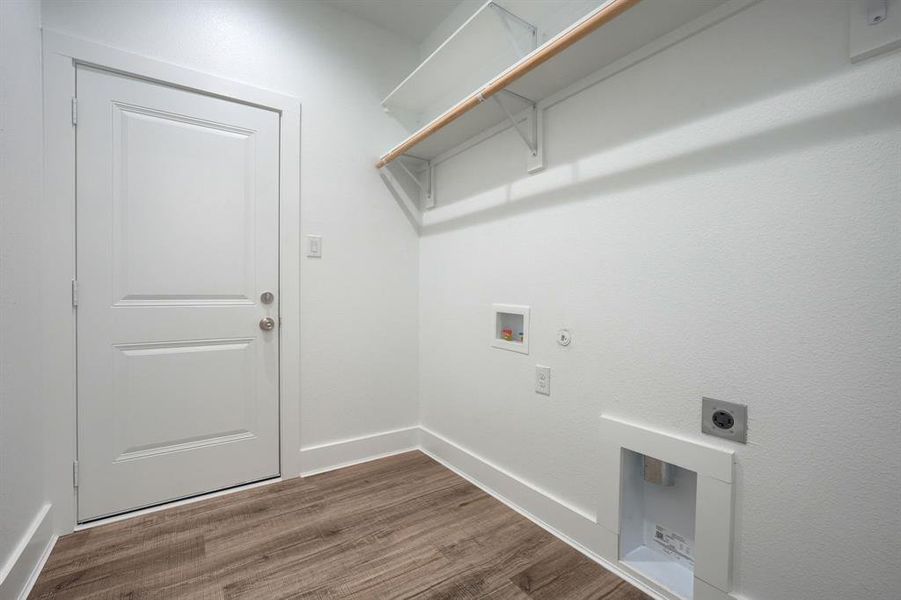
column 174, row 503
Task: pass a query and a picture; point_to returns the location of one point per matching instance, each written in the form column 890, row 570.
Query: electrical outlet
column 314, row 246
column 542, row 380
column 724, row 419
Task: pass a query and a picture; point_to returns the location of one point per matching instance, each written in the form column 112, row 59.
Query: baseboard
column 343, row 453
column 24, row 565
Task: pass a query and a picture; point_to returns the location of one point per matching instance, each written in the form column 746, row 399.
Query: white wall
column 722, row 219
column 359, row 302
column 22, row 491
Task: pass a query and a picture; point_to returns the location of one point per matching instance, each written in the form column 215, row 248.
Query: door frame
column 61, row 55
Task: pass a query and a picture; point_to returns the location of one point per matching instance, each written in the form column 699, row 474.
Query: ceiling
column 411, row 19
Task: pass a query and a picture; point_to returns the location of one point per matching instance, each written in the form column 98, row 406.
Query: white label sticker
column 673, row 544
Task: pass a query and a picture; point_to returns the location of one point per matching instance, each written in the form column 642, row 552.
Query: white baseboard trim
column 344, row 453
column 36, row 572
column 24, row 565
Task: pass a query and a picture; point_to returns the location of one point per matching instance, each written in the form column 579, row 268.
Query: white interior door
column 177, row 238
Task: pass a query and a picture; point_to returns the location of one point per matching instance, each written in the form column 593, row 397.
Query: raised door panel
column 163, row 392
column 183, row 224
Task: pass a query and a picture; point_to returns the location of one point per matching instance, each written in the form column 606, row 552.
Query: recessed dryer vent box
column 672, row 509
column 510, row 327
column 657, row 523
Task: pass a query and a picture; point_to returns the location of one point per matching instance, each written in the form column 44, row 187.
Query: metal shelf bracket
column 427, row 193
column 532, row 133
column 506, row 18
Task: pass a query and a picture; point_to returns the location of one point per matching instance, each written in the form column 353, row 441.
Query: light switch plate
column 314, row 246
column 724, row 419
column 542, row 380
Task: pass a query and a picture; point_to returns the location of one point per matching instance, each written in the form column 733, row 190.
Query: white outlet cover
column 542, row 380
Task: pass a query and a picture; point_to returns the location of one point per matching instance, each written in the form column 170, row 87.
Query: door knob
column 267, row 324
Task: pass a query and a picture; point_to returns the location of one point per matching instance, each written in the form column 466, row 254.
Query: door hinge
column 74, row 292
column 74, row 473
column 74, row 110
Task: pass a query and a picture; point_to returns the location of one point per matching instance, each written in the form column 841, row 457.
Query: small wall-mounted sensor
column 564, row 337
column 724, row 419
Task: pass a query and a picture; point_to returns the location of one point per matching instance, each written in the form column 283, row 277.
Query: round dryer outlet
column 723, row 419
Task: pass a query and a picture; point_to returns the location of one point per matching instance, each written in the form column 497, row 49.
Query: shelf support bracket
column 427, row 193
column 534, row 136
column 409, row 206
column 506, row 17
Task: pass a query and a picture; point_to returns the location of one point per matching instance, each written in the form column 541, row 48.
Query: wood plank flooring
column 399, row 527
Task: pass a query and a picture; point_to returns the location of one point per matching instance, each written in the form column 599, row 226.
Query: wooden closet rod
column 557, row 45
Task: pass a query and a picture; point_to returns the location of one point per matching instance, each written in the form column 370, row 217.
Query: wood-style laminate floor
column 399, row 527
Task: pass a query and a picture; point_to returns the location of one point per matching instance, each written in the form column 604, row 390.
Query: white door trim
column 61, row 54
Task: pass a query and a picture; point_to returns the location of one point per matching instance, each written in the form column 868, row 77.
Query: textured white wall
column 722, row 219
column 359, row 302
column 21, row 424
